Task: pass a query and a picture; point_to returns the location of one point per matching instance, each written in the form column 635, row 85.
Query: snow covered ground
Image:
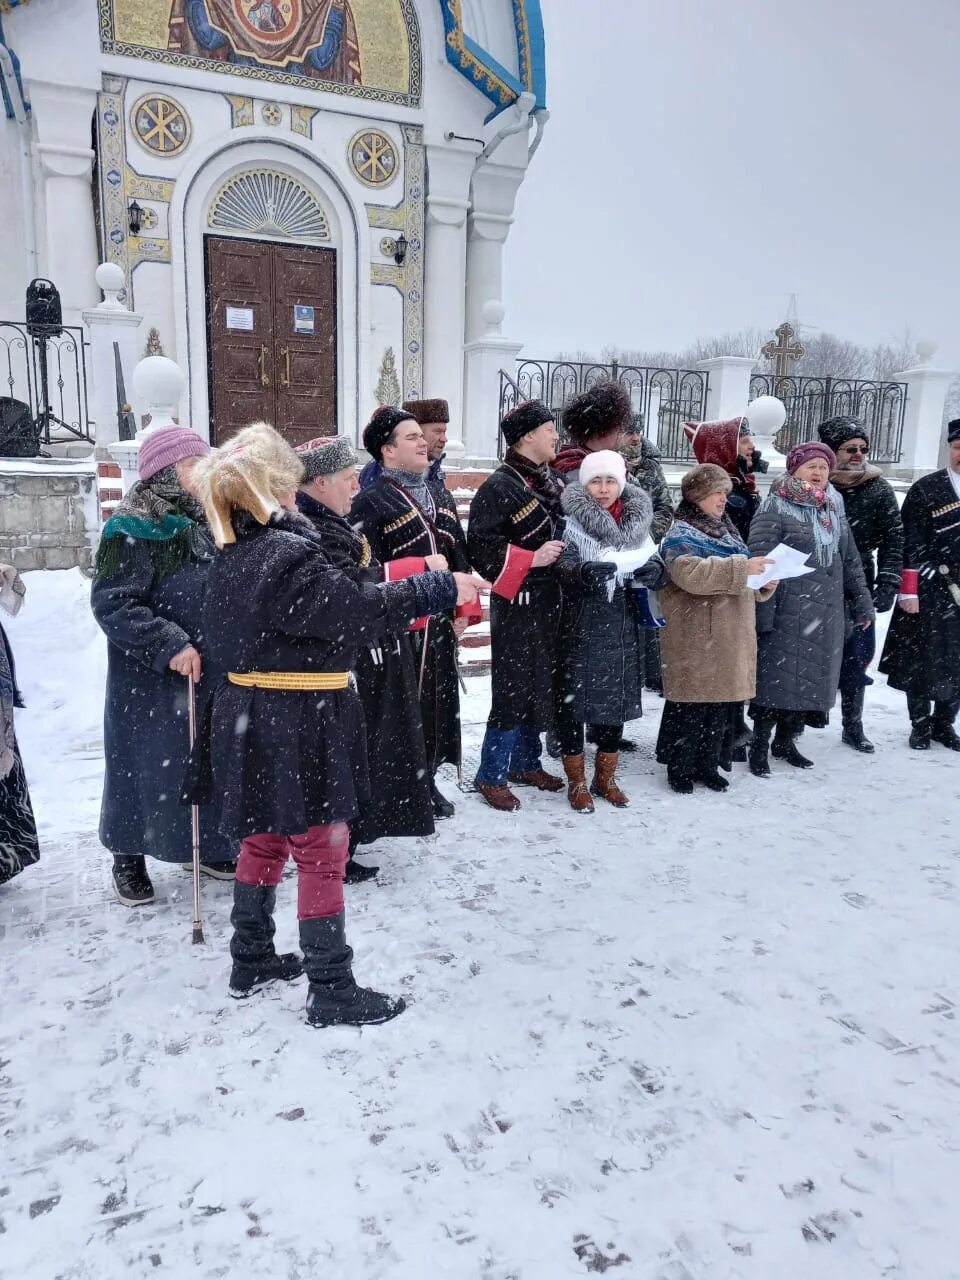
column 706, row 1039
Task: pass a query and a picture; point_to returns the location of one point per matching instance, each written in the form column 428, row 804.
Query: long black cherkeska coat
column 282, row 761
column 524, row 616
column 397, row 529
column 873, row 515
column 148, row 617
column 922, row 652
column 602, row 642
column 399, row 803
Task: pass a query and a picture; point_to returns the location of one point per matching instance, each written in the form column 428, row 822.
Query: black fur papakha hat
column 381, row 427
column 523, row 419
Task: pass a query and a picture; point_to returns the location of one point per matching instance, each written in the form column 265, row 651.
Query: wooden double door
column 271, row 337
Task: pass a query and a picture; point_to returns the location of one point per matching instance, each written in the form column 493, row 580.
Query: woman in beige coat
column 709, row 644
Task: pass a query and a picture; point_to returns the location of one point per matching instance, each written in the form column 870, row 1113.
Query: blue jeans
column 508, row 751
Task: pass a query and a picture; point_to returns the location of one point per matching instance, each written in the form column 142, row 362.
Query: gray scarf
column 416, row 486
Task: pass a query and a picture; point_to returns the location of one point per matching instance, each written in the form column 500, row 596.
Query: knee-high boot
column 851, row 708
column 255, row 962
column 941, row 727
column 918, row 709
column 758, row 751
column 334, row 999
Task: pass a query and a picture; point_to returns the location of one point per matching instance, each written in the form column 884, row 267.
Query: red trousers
column 320, row 855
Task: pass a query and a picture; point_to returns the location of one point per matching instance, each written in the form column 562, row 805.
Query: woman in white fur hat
column 604, row 611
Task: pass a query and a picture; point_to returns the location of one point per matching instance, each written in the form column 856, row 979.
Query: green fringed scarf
column 172, row 541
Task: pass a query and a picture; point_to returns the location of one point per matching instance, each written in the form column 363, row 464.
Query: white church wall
column 386, row 332
column 14, row 272
column 153, row 292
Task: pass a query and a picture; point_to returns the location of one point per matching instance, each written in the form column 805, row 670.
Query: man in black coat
column 873, row 514
column 399, row 803
column 513, row 536
column 413, row 526
column 922, row 653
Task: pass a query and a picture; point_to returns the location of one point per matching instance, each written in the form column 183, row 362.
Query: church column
column 63, row 116
column 448, row 186
column 493, row 193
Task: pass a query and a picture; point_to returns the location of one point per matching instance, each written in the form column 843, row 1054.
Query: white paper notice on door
column 240, row 318
column 303, row 319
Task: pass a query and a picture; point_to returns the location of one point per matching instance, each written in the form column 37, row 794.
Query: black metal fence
column 666, row 398
column 48, row 375
column 879, row 406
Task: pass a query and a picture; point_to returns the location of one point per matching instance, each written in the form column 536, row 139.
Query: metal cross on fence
column 783, row 350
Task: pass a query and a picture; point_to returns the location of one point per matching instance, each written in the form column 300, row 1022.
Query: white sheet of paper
column 627, row 561
column 787, row 563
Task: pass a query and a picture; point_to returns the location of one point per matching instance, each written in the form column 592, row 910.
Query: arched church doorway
column 271, row 309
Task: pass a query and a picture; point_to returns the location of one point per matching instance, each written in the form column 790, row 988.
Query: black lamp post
column 135, row 215
column 400, row 249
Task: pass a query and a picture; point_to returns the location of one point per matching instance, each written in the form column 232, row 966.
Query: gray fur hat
column 325, row 456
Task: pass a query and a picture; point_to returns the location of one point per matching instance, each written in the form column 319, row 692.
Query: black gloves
column 596, row 574
column 652, row 575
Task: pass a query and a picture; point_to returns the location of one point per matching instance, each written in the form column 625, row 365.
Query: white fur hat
column 603, row 463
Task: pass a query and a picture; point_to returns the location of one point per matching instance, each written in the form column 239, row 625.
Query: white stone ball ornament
column 158, row 384
column 766, row 415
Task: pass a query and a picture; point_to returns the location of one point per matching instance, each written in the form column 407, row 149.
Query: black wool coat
column 399, row 802
column 601, row 660
column 147, row 619
column 282, row 761
column 396, row 528
column 874, row 517
column 525, row 622
column 922, row 652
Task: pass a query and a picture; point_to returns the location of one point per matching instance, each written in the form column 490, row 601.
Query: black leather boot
column 334, row 999
column 442, row 808
column 941, row 726
column 851, row 709
column 920, row 724
column 789, row 726
column 758, row 752
column 255, row 963
column 131, row 881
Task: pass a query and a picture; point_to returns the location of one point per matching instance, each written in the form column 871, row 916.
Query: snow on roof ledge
column 48, row 466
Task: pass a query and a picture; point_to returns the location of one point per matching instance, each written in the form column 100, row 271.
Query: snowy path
column 711, row 1038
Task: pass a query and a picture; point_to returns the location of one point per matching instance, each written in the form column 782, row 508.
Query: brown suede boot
column 604, row 779
column 577, row 791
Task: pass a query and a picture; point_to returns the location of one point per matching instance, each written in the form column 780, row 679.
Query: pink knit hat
column 801, row 453
column 164, row 447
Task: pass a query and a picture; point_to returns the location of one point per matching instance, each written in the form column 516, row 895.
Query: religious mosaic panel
column 365, row 48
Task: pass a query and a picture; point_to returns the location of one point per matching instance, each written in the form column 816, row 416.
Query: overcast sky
column 705, row 160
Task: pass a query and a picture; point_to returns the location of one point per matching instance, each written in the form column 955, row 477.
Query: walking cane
column 194, row 817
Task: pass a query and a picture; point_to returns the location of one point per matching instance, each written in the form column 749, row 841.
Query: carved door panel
column 272, row 337
column 305, row 320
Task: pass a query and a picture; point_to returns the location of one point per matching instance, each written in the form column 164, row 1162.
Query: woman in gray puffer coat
column 604, row 611
column 800, row 631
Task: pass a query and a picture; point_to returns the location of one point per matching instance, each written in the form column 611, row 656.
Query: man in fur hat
column 514, row 539
column 411, row 526
column 400, row 803
column 922, row 653
column 874, row 517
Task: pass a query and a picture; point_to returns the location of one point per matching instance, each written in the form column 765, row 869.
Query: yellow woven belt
column 298, row 681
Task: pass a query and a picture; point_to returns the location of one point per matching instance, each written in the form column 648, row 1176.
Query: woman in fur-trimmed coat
column 604, row 610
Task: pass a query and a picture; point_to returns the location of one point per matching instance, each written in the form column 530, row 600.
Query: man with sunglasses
column 874, row 518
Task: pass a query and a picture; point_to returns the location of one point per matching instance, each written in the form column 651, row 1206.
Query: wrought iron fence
column 665, row 398
column 878, row 405
column 48, row 374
